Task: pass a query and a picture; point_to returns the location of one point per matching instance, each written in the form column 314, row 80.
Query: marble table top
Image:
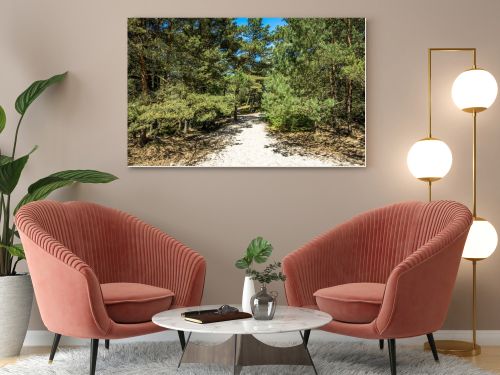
column 286, row 319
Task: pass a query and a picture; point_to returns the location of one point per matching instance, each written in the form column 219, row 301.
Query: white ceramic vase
column 248, row 292
column 16, row 298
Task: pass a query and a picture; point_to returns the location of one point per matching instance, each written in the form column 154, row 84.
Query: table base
column 246, row 350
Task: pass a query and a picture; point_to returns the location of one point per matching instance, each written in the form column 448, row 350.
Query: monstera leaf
column 34, row 91
column 242, row 263
column 258, row 250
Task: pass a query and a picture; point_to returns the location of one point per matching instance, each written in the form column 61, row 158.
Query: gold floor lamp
column 430, row 159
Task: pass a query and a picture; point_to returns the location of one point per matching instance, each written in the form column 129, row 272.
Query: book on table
column 213, row 316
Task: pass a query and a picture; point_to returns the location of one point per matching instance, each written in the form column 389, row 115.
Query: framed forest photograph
column 246, row 92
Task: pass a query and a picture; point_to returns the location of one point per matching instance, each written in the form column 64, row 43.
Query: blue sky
column 272, row 22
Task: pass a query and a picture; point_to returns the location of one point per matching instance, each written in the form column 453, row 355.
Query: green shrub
column 207, row 109
column 287, row 111
column 175, row 114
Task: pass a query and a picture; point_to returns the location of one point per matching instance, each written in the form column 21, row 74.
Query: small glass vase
column 263, row 304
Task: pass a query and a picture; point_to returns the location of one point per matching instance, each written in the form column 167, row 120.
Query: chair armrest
column 419, row 289
column 165, row 262
column 66, row 289
column 321, row 263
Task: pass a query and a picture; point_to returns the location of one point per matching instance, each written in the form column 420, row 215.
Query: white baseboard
column 484, row 337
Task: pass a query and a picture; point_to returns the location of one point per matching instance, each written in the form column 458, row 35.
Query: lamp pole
column 474, row 165
column 455, row 347
column 474, row 215
column 429, row 97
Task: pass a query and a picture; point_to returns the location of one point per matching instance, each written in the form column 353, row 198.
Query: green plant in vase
column 16, row 292
column 258, row 251
column 269, row 274
column 262, row 305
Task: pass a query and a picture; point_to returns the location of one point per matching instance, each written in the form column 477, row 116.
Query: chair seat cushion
column 351, row 303
column 135, row 303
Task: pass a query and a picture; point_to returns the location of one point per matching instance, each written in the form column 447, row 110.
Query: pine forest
column 246, row 92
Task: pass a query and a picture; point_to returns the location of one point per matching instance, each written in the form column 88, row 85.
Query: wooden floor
column 488, row 360
column 26, row 352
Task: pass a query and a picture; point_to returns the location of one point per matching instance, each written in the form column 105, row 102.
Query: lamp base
column 456, row 348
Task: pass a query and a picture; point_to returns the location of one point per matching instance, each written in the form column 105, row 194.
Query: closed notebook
column 212, row 317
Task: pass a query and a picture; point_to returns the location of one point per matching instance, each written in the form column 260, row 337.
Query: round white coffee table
column 242, row 348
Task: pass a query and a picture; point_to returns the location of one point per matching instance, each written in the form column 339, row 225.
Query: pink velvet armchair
column 385, row 274
column 99, row 273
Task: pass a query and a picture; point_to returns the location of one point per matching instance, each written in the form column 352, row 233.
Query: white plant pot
column 16, row 298
column 248, row 292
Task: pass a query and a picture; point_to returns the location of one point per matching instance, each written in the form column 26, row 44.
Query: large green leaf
column 42, row 193
column 3, row 119
column 46, row 181
column 10, row 172
column 4, row 159
column 43, row 187
column 86, row 176
column 31, row 93
column 259, row 250
column 242, row 263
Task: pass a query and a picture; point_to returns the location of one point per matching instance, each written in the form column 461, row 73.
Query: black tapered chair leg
column 381, row 344
column 94, row 346
column 432, row 344
column 392, row 355
column 307, row 333
column 55, row 344
column 182, row 339
column 106, row 344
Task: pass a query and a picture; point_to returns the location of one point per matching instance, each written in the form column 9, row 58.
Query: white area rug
column 162, row 358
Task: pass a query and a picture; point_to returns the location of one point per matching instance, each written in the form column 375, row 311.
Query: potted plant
column 16, row 291
column 258, row 251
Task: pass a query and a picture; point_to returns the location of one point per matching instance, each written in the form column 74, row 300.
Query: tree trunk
column 348, row 97
column 185, row 126
column 144, row 75
column 235, row 111
column 333, row 92
column 348, row 104
column 143, row 139
column 349, row 32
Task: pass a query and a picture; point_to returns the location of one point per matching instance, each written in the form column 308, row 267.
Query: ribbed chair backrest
column 380, row 242
column 387, row 236
column 94, row 233
column 433, row 218
column 380, row 239
column 371, row 245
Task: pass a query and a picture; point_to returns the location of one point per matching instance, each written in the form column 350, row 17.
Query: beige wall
column 82, row 124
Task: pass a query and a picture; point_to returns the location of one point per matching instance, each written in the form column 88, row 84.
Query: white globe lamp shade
column 481, row 241
column 429, row 159
column 474, row 90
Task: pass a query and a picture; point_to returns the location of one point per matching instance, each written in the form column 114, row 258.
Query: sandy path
column 252, row 150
